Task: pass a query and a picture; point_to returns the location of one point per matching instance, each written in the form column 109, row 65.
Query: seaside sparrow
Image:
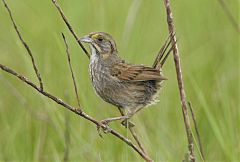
column 124, row 85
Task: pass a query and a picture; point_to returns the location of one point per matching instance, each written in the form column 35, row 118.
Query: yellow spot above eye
column 95, row 36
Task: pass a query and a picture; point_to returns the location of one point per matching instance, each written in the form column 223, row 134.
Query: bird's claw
column 105, row 122
column 128, row 124
column 103, row 127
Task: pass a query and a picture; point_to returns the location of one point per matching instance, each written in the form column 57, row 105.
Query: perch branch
column 71, row 69
column 25, row 45
column 75, row 110
column 196, row 129
column 180, row 81
column 70, row 27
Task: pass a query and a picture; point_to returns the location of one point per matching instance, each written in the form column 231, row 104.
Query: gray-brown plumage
column 127, row 86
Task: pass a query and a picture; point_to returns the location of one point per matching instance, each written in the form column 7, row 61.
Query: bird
column 129, row 87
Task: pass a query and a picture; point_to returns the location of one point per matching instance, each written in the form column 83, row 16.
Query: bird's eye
column 100, row 39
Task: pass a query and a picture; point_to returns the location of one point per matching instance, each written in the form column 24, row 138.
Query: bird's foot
column 103, row 124
column 103, row 127
column 128, row 124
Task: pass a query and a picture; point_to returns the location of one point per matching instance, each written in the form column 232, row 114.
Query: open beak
column 86, row 39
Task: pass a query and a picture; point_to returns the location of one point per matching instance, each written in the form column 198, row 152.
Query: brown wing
column 128, row 72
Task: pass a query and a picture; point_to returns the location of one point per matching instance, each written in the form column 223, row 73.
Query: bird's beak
column 86, row 39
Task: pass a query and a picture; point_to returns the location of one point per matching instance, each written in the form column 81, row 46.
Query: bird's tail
column 163, row 53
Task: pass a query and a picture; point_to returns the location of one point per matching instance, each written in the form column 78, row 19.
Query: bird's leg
column 108, row 120
column 125, row 122
column 105, row 122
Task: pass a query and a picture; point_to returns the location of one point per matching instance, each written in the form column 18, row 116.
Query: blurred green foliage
column 32, row 128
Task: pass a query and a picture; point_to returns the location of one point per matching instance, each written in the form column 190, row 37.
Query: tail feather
column 160, row 59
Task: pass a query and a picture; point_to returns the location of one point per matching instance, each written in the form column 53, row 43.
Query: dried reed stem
column 180, row 81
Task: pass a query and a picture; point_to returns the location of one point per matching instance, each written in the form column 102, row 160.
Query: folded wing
column 129, row 72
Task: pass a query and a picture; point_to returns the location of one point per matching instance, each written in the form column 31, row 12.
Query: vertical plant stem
column 180, row 81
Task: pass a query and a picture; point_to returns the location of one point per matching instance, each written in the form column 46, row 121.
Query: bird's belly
column 130, row 95
column 108, row 89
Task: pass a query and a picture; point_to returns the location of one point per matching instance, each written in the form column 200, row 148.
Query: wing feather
column 129, row 72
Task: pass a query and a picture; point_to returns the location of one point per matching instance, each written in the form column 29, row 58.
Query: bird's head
column 101, row 42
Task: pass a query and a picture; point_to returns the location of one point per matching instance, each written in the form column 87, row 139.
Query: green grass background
column 32, row 127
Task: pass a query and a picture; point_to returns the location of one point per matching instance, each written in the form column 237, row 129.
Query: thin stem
column 71, row 69
column 180, row 81
column 196, row 129
column 24, row 44
column 70, row 27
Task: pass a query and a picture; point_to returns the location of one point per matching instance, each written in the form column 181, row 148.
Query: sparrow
column 130, row 87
